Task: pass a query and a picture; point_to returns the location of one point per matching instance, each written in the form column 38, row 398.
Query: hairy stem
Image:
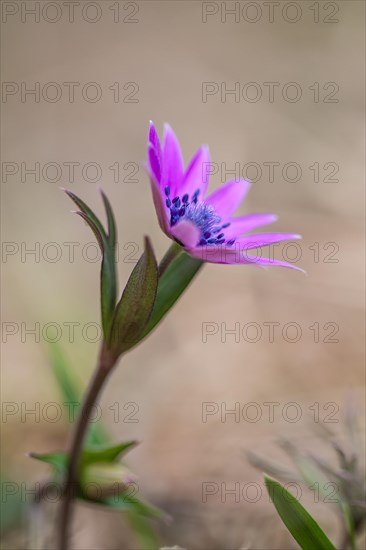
column 104, row 367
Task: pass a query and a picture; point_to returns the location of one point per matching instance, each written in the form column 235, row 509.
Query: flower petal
column 243, row 224
column 159, row 202
column 264, row 239
column 186, row 233
column 155, row 164
column 221, row 254
column 172, row 162
column 197, row 173
column 154, row 140
column 227, row 198
column 267, row 262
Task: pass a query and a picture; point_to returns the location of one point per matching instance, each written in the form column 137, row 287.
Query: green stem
column 173, row 251
column 106, row 362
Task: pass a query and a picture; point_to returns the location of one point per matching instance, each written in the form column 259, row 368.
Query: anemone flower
column 204, row 225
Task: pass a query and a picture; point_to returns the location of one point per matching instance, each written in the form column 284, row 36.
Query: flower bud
column 107, row 479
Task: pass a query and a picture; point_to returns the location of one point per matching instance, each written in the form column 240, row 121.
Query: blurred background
column 294, row 124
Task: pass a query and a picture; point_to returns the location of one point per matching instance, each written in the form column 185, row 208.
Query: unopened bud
column 104, row 479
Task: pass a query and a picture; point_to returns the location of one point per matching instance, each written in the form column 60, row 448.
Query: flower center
column 200, row 213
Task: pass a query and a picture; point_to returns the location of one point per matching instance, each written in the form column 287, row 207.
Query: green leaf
column 57, row 460
column 172, row 283
column 112, row 230
column 106, row 454
column 143, row 530
column 108, row 283
column 126, row 502
column 64, row 375
column 136, row 304
column 298, row 521
column 108, row 289
column 350, row 524
column 89, row 214
column 107, row 243
column 71, row 392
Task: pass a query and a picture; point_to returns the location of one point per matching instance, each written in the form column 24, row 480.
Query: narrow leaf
column 88, row 213
column 127, row 501
column 298, row 521
column 108, row 289
column 108, row 272
column 107, row 243
column 144, row 533
column 94, row 228
column 65, row 377
column 136, row 304
column 112, row 230
column 57, row 460
column 173, row 282
column 71, row 392
column 107, row 454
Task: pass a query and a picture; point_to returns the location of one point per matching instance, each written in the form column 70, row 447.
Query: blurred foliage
column 347, row 480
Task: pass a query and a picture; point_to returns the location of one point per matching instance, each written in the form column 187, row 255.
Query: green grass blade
column 298, row 521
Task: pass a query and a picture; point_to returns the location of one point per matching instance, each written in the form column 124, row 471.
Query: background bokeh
column 168, row 50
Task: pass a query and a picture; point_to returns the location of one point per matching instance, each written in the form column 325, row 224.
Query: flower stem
column 173, row 251
column 106, row 362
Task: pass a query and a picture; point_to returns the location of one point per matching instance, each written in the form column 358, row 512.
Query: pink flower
column 204, row 225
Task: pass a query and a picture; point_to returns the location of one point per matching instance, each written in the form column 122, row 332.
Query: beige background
column 169, row 53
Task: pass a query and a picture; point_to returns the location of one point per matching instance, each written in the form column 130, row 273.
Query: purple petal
column 196, row 176
column 159, row 202
column 172, row 162
column 264, row 239
column 266, row 262
column 154, row 140
column 233, row 255
column 186, row 232
column 227, row 198
column 243, row 224
column 154, row 163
